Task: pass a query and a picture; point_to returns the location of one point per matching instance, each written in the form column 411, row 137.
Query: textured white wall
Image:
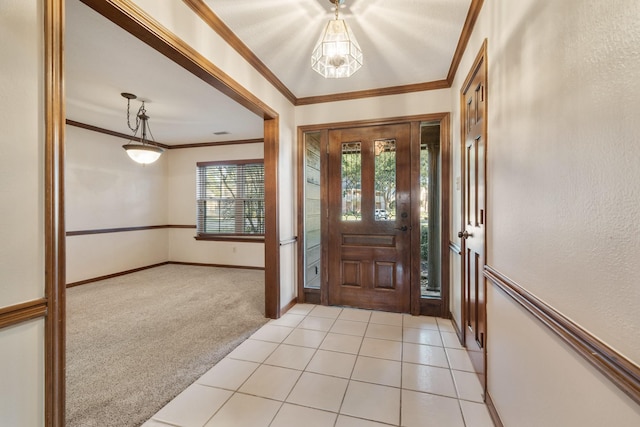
column 21, row 152
column 21, row 208
column 563, row 199
column 106, row 189
column 22, row 374
column 536, row 380
column 182, row 208
column 433, row 101
column 564, row 179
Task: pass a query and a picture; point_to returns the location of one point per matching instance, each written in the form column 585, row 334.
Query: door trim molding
column 612, row 364
column 54, row 222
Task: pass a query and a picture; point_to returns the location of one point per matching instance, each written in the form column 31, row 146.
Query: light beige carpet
column 134, row 342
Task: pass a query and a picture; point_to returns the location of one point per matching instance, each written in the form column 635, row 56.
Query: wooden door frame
column 132, row 19
column 419, row 305
column 480, row 61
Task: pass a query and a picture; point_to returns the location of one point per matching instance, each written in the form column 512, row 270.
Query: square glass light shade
column 337, row 53
column 144, row 154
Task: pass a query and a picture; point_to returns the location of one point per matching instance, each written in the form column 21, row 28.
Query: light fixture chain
column 134, row 130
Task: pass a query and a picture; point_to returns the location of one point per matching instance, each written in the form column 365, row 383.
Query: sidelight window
column 430, row 286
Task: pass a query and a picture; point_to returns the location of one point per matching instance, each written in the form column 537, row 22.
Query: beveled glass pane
column 351, row 181
column 312, row 203
column 429, row 212
column 385, row 180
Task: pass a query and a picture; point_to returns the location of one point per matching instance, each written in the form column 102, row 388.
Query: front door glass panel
column 385, row 180
column 351, row 181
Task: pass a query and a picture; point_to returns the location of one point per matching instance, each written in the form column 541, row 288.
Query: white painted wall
column 563, row 199
column 21, row 152
column 433, row 101
column 22, row 208
column 22, row 374
column 182, row 208
column 179, row 19
column 106, row 189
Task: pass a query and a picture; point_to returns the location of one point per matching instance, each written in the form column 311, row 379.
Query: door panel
column 473, row 215
column 369, row 217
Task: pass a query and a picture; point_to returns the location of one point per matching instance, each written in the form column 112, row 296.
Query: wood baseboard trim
column 613, row 365
column 288, row 307
column 134, row 270
column 493, row 413
column 110, row 276
column 457, row 328
column 18, row 313
column 198, row 264
column 125, row 229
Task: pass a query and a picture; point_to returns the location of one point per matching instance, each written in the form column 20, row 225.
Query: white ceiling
column 102, row 61
column 403, row 41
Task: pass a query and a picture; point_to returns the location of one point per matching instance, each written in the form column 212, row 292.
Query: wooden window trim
column 231, row 162
column 251, row 238
column 229, row 236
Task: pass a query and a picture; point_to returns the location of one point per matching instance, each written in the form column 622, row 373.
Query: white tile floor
column 322, row 366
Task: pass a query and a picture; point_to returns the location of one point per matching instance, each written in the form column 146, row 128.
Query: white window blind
column 230, row 198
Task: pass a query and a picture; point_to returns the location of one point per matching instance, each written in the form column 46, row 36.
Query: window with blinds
column 230, row 198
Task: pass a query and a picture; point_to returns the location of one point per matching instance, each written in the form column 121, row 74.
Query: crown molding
column 205, row 13
column 216, row 24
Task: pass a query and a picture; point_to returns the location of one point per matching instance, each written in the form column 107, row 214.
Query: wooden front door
column 369, row 217
column 474, row 213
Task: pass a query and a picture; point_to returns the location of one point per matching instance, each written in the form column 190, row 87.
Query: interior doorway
column 372, row 196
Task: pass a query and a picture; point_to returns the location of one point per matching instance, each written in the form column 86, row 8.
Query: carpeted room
column 135, row 341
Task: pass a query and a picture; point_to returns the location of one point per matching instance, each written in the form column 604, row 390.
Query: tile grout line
column 401, row 373
column 350, row 378
column 237, row 390
column 455, row 385
column 259, row 366
column 305, row 367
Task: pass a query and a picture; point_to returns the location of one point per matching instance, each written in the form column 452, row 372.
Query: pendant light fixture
column 143, row 151
column 337, row 53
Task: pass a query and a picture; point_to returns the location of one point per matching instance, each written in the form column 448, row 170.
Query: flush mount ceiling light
column 143, row 151
column 337, row 53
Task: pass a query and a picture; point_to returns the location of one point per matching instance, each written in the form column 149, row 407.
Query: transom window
column 230, row 198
